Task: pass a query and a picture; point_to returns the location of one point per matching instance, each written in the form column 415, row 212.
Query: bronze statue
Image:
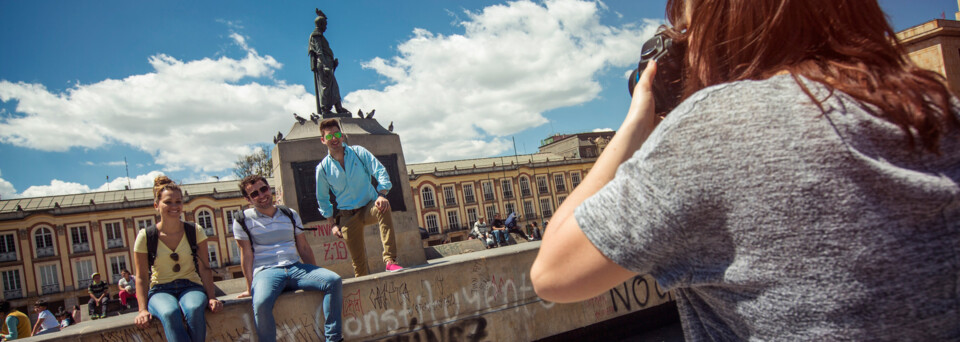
column 323, row 65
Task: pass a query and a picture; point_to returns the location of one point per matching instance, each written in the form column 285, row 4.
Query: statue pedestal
column 295, row 160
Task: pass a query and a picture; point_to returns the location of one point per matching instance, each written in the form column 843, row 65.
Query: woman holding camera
column 806, row 188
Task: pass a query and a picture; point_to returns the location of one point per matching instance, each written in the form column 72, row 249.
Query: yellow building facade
column 49, row 246
column 450, row 196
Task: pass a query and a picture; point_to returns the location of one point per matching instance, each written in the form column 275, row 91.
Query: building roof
column 469, row 166
column 33, row 204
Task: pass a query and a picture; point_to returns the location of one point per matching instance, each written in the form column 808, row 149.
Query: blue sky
column 185, row 87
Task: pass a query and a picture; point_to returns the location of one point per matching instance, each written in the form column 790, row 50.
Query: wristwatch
column 380, row 194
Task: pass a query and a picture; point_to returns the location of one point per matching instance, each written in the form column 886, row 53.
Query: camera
column 664, row 48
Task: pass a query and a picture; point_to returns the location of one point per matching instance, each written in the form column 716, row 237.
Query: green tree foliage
column 259, row 162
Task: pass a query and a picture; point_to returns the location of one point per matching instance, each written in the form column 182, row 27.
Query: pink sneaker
column 393, row 267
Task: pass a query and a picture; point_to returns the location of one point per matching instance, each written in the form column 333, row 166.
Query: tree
column 259, row 162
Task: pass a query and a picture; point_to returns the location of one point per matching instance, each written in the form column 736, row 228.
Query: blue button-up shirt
column 351, row 185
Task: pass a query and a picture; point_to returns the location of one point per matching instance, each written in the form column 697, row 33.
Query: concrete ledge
column 482, row 296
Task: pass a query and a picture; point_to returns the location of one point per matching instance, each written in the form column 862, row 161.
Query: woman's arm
column 140, row 275
column 568, row 267
column 207, row 278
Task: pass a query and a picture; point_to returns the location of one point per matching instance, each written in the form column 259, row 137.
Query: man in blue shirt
column 346, row 171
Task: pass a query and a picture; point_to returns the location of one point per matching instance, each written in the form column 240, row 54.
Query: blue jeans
column 175, row 302
column 268, row 283
column 500, row 236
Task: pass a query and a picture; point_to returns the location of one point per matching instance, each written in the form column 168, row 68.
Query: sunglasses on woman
column 176, row 259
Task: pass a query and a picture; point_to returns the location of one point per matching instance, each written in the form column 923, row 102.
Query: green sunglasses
column 337, row 135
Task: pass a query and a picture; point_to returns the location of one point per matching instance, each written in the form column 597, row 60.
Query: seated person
column 482, row 232
column 98, row 297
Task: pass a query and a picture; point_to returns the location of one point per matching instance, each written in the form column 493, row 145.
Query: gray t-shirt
column 772, row 220
column 273, row 238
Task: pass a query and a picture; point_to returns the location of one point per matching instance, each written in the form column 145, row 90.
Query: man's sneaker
column 393, row 267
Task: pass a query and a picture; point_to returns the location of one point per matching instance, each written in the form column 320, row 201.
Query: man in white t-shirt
column 46, row 322
column 272, row 246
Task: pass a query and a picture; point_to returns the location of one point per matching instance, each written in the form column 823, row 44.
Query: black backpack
column 241, row 218
column 153, row 237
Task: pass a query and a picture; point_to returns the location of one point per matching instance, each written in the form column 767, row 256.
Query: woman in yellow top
column 175, row 292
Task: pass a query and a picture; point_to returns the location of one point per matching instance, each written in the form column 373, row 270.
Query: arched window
column 205, row 220
column 43, row 239
column 524, row 186
column 427, row 195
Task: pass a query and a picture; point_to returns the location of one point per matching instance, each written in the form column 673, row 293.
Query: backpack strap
column 241, row 218
column 287, row 211
column 190, row 231
column 152, row 239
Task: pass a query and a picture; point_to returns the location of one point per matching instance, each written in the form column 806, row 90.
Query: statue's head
column 321, row 23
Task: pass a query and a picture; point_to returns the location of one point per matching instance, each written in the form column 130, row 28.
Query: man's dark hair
column 41, row 303
column 4, row 306
column 251, row 179
column 329, row 123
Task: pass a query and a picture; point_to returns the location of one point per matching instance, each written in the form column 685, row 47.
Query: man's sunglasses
column 337, row 135
column 256, row 193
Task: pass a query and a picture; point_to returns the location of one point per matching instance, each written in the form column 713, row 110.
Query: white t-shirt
column 124, row 283
column 49, row 321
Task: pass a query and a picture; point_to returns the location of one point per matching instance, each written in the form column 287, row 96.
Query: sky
column 94, row 91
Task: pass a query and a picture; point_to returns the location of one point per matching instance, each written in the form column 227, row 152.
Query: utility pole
column 128, row 172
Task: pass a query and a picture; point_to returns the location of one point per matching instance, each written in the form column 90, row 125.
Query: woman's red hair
column 845, row 44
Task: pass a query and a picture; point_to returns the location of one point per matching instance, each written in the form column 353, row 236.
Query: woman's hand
column 143, row 319
column 215, row 305
column 641, row 110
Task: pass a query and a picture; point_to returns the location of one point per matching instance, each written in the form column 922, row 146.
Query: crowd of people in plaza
column 497, row 233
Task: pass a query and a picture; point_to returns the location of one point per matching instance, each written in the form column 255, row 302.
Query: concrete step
column 484, row 295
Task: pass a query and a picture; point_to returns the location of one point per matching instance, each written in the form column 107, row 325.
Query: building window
column 453, row 220
column 560, row 182
column 487, row 191
column 491, row 212
column 449, row 196
column 228, row 215
column 43, row 239
column 468, row 194
column 84, row 270
column 234, row 251
column 560, row 200
column 117, row 263
column 529, row 212
column 79, row 239
column 114, row 234
column 427, row 195
column 507, row 187
column 432, row 226
column 205, row 220
column 144, row 223
column 510, row 207
column 8, row 247
column 212, row 251
column 524, row 186
column 471, row 216
column 48, row 279
column 11, row 284
column 546, row 208
column 542, row 186
column 575, row 179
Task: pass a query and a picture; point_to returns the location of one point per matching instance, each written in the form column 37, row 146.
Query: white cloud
column 56, row 187
column 198, row 115
column 512, row 63
column 603, row 129
column 7, row 190
column 59, row 187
